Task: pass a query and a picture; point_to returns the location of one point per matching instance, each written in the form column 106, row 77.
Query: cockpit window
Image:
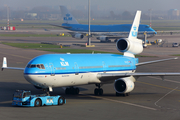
column 40, row 66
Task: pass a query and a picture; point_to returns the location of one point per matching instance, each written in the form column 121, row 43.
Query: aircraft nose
column 153, row 30
column 31, row 79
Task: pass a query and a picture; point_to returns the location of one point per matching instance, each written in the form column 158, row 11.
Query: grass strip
column 57, row 49
column 31, row 45
column 32, row 35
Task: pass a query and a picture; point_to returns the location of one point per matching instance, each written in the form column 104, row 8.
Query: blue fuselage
column 107, row 28
column 59, row 70
column 79, row 63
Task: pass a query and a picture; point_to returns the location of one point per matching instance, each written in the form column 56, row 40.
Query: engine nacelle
column 78, row 36
column 103, row 38
column 129, row 46
column 124, row 85
column 38, row 87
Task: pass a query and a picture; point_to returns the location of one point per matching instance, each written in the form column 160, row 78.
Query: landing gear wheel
column 122, row 94
column 108, row 41
column 98, row 91
column 115, row 40
column 72, row 90
column 37, row 103
column 61, row 101
column 67, row 91
column 76, row 90
column 127, row 94
column 117, row 94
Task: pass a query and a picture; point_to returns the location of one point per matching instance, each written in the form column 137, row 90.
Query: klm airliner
column 101, row 32
column 69, row 70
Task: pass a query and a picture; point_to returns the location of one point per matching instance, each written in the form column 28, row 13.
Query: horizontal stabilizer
column 155, row 61
column 4, row 62
column 4, row 65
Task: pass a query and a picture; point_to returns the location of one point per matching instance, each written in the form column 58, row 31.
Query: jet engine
column 102, row 38
column 124, row 85
column 38, row 87
column 130, row 46
column 78, row 36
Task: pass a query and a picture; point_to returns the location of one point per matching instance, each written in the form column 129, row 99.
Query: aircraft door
column 104, row 67
column 52, row 69
column 76, row 68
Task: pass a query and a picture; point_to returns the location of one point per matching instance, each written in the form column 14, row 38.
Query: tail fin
column 131, row 46
column 134, row 28
column 67, row 16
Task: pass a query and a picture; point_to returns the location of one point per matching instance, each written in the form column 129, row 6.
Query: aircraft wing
column 4, row 65
column 106, row 77
column 167, row 32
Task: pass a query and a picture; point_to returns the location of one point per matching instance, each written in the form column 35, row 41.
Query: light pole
column 89, row 33
column 150, row 10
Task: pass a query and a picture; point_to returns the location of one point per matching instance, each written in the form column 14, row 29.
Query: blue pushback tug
column 24, row 98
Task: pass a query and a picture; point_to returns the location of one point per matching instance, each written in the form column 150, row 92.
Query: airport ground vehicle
column 24, row 98
column 175, row 45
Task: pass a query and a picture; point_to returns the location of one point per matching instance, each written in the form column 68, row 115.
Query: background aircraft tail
column 67, row 16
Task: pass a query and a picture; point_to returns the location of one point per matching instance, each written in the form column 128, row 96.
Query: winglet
column 4, row 65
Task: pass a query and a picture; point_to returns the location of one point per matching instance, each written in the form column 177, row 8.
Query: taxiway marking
column 122, row 102
column 16, row 55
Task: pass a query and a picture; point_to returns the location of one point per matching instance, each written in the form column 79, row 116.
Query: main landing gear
column 99, row 90
column 72, row 91
column 122, row 94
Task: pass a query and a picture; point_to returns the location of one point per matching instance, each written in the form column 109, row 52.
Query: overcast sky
column 143, row 5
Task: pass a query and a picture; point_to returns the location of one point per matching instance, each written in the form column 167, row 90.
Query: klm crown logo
column 67, row 17
column 134, row 27
column 134, row 32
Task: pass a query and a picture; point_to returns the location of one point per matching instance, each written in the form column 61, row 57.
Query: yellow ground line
column 157, row 85
column 122, row 102
column 15, row 55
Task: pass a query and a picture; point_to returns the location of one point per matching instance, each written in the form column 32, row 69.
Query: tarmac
column 151, row 99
